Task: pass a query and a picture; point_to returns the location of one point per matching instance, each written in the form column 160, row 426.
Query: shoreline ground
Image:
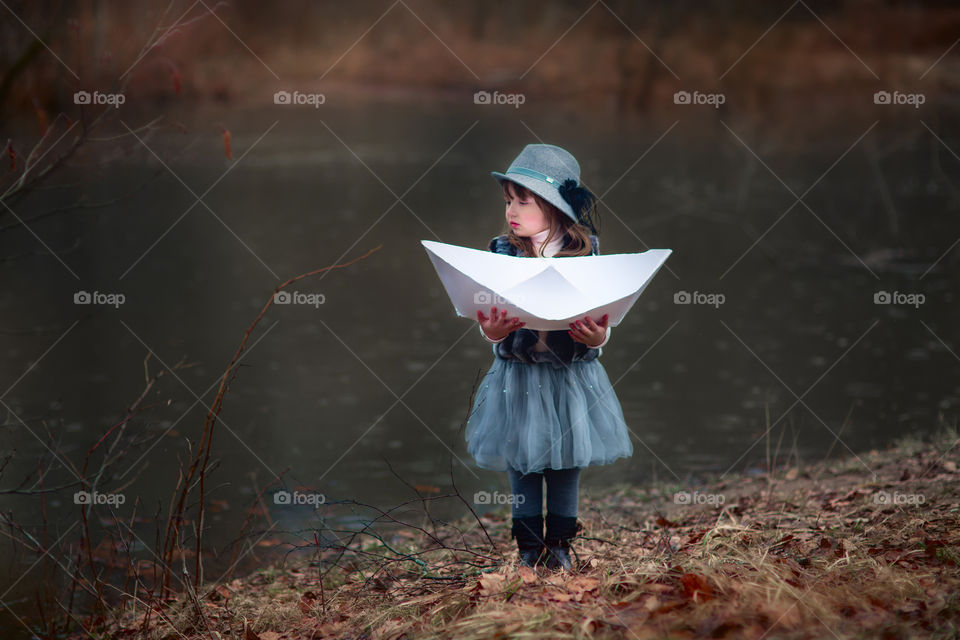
column 865, row 546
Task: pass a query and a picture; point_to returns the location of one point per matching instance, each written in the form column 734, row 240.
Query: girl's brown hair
column 576, row 237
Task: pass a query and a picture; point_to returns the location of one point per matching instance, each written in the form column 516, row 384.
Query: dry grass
column 803, row 553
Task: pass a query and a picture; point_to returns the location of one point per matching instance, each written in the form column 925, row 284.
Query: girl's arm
column 498, row 324
column 588, row 331
column 485, row 337
column 604, row 340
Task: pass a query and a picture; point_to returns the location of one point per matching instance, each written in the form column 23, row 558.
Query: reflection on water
column 383, row 369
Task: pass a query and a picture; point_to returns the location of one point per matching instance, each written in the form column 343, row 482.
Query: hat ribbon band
column 534, row 174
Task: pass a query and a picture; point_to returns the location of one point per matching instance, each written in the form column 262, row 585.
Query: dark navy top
column 519, row 344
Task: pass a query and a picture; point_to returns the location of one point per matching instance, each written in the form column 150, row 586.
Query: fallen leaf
column 589, row 625
column 491, row 583
column 248, row 633
column 220, row 591
column 528, row 575
column 658, row 587
column 306, row 602
column 695, row 585
column 582, row 585
column 840, row 551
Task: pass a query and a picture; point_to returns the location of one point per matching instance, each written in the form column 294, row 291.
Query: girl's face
column 523, row 213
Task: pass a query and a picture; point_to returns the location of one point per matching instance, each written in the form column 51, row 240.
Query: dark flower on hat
column 583, row 203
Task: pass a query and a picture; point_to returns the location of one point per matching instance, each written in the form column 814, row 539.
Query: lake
column 816, row 248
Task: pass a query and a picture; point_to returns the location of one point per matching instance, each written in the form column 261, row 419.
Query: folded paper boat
column 545, row 293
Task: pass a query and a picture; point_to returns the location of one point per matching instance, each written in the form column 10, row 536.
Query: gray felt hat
column 542, row 168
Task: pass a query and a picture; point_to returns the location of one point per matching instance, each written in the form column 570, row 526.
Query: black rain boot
column 560, row 530
column 529, row 534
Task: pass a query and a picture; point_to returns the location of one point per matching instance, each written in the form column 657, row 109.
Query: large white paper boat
column 545, row 293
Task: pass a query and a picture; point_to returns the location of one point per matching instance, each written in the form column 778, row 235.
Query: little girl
column 546, row 408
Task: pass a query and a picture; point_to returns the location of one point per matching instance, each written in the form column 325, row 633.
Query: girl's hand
column 589, row 332
column 498, row 325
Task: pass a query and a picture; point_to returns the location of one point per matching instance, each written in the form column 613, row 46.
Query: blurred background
column 168, row 165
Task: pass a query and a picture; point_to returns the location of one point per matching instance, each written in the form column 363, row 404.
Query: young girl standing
column 546, row 408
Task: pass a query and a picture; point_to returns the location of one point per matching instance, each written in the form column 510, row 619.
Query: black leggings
column 563, row 486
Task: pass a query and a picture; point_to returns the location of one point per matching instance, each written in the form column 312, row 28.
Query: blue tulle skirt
column 533, row 416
